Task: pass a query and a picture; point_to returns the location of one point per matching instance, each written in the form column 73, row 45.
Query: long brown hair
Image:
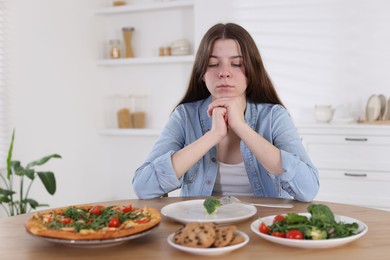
column 260, row 88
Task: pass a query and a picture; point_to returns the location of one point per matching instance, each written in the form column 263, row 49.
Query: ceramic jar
column 323, row 113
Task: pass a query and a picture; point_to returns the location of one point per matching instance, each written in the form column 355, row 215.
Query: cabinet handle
column 355, row 174
column 356, row 139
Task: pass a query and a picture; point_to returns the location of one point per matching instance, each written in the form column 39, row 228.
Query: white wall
column 316, row 52
column 322, row 52
column 58, row 94
column 54, row 87
column 57, row 91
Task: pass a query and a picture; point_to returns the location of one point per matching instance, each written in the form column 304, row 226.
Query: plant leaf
column 43, row 205
column 6, row 192
column 42, row 160
column 33, row 203
column 30, row 173
column 17, row 168
column 9, row 156
column 4, row 199
column 49, row 181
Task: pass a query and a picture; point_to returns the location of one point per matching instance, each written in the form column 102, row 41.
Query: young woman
column 230, row 134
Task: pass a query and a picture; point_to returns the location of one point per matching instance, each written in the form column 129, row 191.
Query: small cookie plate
column 211, row 250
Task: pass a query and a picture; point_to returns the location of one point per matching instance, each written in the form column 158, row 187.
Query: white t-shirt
column 232, row 179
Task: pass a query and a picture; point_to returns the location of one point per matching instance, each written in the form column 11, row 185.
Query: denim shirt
column 190, row 121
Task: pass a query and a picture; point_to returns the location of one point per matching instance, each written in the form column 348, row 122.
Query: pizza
column 92, row 222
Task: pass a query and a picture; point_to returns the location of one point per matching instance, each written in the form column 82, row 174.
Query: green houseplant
column 14, row 203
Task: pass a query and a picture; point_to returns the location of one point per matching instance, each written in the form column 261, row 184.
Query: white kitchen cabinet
column 157, row 24
column 353, row 162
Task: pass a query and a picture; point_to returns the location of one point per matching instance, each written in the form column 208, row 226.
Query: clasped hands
column 227, row 113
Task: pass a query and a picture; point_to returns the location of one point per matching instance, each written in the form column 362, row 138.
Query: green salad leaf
column 320, row 225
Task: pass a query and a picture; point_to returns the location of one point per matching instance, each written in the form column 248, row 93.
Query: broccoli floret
column 321, row 214
column 211, row 205
column 315, row 233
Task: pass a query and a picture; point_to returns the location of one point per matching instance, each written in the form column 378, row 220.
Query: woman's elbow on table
column 309, row 193
column 142, row 191
column 140, row 186
column 146, row 185
column 309, row 197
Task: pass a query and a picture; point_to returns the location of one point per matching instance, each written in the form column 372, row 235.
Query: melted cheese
column 47, row 218
column 67, row 229
column 110, row 229
column 129, row 224
column 87, row 231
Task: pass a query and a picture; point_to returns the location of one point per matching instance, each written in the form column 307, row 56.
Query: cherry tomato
column 278, row 234
column 294, row 234
column 65, row 221
column 142, row 221
column 114, row 222
column 263, row 228
column 96, row 210
column 126, row 209
column 278, row 218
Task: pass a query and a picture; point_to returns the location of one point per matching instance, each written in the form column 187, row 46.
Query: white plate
column 326, row 243
column 373, row 108
column 94, row 243
column 386, row 116
column 209, row 251
column 383, row 106
column 194, row 211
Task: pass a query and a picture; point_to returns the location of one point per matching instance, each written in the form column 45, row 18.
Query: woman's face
column 225, row 74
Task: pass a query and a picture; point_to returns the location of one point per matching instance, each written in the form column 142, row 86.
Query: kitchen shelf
column 146, row 60
column 131, row 8
column 130, row 132
column 180, row 21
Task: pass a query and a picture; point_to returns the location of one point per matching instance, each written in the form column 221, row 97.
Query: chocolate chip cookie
column 199, row 235
column 224, row 235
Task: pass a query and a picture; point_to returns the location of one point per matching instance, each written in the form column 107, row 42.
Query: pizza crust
column 37, row 228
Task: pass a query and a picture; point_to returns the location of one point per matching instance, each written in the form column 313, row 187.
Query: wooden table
column 15, row 243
